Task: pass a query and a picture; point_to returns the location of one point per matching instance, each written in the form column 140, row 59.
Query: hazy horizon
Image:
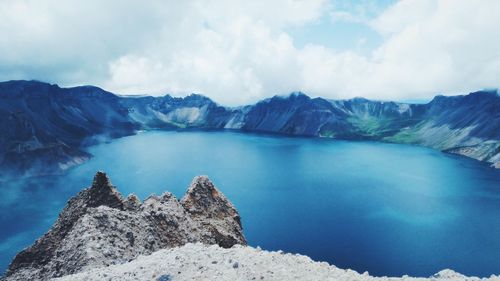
column 271, row 95
column 237, row 52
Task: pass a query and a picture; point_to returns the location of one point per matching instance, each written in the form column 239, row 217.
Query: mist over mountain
column 46, row 128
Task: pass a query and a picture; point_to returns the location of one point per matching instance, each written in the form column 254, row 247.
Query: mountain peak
column 492, row 93
column 99, row 228
column 202, row 197
column 195, row 96
column 297, row 94
column 26, row 83
column 102, row 192
column 484, row 96
column 23, row 88
column 101, row 180
column 206, row 203
column 360, row 99
column 293, row 96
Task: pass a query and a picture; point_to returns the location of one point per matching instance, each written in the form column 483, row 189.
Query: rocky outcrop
column 99, row 227
column 213, row 211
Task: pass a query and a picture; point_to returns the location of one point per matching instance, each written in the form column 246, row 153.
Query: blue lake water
column 384, row 208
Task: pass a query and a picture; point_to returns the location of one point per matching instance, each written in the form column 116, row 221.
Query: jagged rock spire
column 205, row 203
column 103, row 193
column 203, row 198
column 100, row 180
column 98, row 227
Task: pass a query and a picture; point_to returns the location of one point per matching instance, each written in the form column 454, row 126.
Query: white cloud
column 443, row 46
column 344, row 16
column 238, row 51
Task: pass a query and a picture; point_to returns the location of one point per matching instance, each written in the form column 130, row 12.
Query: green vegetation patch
column 373, row 126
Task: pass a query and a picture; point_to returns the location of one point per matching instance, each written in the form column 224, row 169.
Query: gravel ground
column 202, row 262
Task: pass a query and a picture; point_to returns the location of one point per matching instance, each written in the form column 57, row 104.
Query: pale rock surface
column 203, row 262
column 100, row 228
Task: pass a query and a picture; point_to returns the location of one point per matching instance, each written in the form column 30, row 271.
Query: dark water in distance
column 384, row 208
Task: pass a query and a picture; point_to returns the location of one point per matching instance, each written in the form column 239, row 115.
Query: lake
column 384, row 208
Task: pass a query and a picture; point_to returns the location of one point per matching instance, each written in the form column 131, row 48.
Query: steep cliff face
column 467, row 125
column 46, row 128
column 193, row 111
column 99, row 227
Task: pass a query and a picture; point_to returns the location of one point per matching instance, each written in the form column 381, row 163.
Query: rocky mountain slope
column 43, row 126
column 98, row 227
column 46, row 128
column 202, row 262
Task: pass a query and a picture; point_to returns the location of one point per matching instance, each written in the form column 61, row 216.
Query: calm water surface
column 384, row 208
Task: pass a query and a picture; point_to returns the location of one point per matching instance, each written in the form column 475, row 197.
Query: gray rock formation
column 99, row 227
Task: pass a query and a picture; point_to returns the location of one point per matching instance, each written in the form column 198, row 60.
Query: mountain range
column 46, row 128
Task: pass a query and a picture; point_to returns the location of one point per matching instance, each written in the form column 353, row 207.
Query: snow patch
column 403, row 107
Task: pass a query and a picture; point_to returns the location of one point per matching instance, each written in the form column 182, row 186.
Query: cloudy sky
column 239, row 51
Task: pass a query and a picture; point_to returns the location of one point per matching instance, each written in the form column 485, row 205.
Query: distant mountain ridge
column 45, row 128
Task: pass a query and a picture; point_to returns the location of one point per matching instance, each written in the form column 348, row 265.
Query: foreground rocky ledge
column 202, row 262
column 100, row 235
column 98, row 227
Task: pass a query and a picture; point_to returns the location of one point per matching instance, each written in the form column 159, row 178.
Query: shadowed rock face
column 210, row 208
column 99, row 227
column 44, row 126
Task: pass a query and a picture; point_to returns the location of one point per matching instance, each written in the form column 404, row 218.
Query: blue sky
column 340, row 36
column 238, row 51
column 343, row 34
